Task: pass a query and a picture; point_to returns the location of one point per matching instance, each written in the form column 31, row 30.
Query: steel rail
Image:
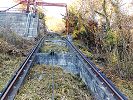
column 16, row 81
column 96, row 71
column 28, row 61
column 53, row 83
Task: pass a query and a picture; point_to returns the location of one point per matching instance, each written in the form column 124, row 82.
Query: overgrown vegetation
column 11, row 42
column 8, row 65
column 83, row 49
column 54, row 43
column 9, row 61
column 106, row 32
column 13, row 50
column 38, row 85
column 50, row 46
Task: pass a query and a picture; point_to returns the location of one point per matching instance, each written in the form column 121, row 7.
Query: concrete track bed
column 38, row 85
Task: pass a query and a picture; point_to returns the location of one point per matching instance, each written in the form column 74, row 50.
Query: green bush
column 111, row 38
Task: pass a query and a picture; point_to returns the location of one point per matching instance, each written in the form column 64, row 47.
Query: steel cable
column 53, row 87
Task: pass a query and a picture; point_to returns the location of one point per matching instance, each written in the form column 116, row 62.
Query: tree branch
column 99, row 13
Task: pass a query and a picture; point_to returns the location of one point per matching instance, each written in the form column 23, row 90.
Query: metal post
column 53, row 87
column 35, row 9
column 67, row 21
column 28, row 7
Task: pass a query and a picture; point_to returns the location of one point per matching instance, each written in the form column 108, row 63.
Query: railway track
column 14, row 84
column 103, row 79
column 100, row 86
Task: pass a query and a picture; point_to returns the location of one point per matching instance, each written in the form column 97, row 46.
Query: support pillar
column 28, row 6
column 67, row 21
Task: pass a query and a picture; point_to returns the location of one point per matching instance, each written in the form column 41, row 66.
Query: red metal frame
column 35, row 3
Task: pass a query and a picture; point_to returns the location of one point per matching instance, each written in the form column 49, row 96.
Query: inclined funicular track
column 16, row 81
column 100, row 86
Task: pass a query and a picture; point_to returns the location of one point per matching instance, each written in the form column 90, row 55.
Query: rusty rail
column 106, row 82
column 18, row 78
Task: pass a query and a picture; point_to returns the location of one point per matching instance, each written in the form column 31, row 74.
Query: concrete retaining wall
column 23, row 24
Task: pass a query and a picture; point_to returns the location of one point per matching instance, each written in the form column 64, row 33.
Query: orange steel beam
column 51, row 4
column 44, row 3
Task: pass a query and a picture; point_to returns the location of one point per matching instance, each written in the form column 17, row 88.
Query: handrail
column 32, row 26
column 28, row 24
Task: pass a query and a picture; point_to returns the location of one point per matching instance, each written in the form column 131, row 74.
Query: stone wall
column 23, row 24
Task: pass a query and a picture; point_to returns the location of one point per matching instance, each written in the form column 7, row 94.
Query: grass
column 38, row 85
column 8, row 66
column 125, row 86
column 48, row 47
column 12, row 49
column 82, row 48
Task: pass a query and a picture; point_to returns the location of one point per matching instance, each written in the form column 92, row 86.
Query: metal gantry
column 38, row 3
